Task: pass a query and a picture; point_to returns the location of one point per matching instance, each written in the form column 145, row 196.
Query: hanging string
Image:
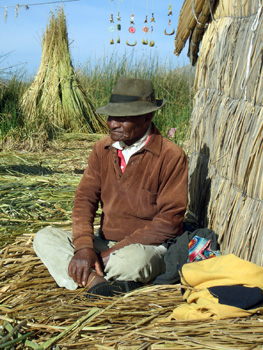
column 119, row 17
column 195, row 16
column 26, row 6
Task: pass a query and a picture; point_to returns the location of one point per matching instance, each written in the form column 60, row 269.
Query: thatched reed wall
column 226, row 141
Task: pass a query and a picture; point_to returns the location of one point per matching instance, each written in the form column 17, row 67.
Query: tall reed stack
column 56, row 101
column 226, row 141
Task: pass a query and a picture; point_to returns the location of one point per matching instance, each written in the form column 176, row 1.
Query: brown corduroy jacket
column 145, row 204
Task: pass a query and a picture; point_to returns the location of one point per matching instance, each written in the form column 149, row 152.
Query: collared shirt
column 128, row 151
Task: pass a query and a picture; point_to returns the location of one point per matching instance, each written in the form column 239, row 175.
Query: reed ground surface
column 37, row 190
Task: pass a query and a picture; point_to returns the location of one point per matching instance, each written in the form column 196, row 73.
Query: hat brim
column 130, row 108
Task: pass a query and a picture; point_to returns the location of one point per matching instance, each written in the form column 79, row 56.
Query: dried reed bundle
column 56, row 101
column 137, row 320
column 196, row 16
column 187, row 21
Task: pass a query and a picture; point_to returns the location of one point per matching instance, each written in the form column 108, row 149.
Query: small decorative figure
column 135, row 43
column 132, row 19
column 132, row 30
column 145, row 29
column 111, row 29
column 170, row 10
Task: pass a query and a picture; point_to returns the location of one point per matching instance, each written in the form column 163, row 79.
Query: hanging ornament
column 170, row 10
column 111, row 27
column 5, row 14
column 145, row 28
column 127, row 43
column 118, row 24
column 171, row 30
column 17, row 10
column 152, row 43
column 132, row 29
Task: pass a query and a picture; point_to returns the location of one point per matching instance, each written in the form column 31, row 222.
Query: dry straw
column 137, row 320
column 56, row 101
column 35, row 314
column 225, row 145
column 37, row 189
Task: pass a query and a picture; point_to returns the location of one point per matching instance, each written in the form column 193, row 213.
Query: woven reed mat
column 62, row 319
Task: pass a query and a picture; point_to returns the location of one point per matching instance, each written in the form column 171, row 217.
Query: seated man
column 140, row 179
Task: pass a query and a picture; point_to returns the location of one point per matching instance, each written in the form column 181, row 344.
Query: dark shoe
column 109, row 289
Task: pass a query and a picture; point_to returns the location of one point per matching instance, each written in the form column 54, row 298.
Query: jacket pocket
column 147, row 206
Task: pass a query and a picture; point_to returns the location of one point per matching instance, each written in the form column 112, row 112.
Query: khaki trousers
column 136, row 262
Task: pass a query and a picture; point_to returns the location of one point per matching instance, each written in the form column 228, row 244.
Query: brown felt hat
column 131, row 97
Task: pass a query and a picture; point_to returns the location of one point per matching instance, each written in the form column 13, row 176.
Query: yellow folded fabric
column 225, row 270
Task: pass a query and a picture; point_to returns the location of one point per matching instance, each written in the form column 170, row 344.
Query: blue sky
column 89, row 37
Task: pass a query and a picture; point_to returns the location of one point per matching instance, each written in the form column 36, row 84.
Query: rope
column 253, row 30
column 193, row 10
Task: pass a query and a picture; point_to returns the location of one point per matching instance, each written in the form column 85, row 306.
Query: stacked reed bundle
column 57, row 318
column 56, row 101
column 225, row 145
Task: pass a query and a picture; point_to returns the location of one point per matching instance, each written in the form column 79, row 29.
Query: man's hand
column 80, row 266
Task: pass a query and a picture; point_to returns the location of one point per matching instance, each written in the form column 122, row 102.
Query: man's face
column 128, row 129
